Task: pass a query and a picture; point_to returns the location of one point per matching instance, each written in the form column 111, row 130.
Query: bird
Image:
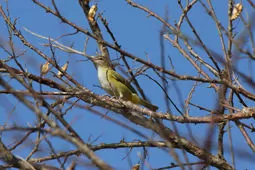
column 64, row 68
column 116, row 85
column 45, row 68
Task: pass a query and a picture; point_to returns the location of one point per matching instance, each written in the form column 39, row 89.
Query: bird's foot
column 106, row 95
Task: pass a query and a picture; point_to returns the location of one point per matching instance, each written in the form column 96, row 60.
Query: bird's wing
column 119, row 78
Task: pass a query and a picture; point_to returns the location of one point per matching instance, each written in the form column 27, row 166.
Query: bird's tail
column 137, row 100
column 148, row 105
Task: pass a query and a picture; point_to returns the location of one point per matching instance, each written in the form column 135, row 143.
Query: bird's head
column 100, row 61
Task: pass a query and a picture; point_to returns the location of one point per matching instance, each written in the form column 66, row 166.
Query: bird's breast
column 103, row 79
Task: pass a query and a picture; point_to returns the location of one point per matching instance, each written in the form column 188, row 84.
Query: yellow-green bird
column 114, row 84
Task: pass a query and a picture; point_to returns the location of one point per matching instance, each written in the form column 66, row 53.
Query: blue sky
column 138, row 34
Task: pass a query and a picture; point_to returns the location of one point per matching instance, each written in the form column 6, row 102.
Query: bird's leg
column 118, row 96
column 114, row 97
column 121, row 96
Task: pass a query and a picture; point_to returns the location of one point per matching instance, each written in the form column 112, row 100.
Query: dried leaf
column 236, row 11
column 136, row 167
column 64, row 68
column 92, row 13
